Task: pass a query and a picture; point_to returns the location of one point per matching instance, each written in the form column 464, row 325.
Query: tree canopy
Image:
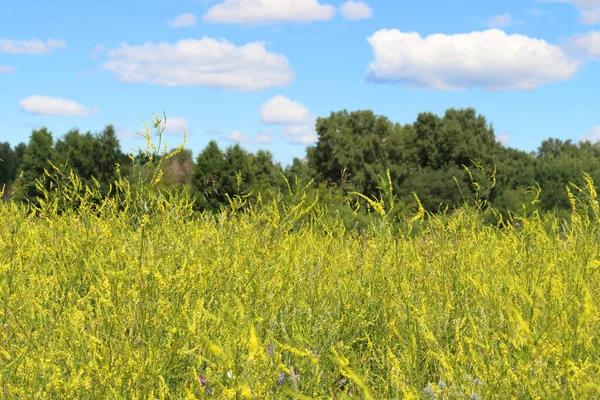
column 436, row 157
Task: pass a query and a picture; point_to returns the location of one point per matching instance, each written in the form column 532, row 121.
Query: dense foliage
column 134, row 295
column 435, row 157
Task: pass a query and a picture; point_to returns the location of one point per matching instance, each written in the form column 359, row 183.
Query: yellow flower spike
column 253, row 345
column 246, row 392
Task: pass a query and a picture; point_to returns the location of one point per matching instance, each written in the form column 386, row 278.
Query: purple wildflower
column 269, row 350
column 280, row 379
column 209, row 391
column 202, row 380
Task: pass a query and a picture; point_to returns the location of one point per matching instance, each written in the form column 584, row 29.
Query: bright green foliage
column 135, row 296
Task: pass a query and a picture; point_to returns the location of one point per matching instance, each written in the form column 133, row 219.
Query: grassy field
column 136, row 297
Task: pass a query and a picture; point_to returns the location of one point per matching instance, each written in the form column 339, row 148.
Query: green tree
column 91, row 155
column 299, row 169
column 352, row 144
column 237, row 175
column 107, row 155
column 515, row 176
column 267, row 173
column 8, row 169
column 560, row 162
column 39, row 151
column 206, row 177
column 78, row 152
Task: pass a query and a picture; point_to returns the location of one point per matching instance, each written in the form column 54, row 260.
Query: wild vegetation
column 426, row 157
column 127, row 291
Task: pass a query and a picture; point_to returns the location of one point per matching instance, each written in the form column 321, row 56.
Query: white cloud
column 593, row 136
column 488, row 59
column 30, row 46
column 499, row 21
column 263, row 138
column 589, row 10
column 205, row 62
column 281, row 110
column 353, row 10
column 236, row 136
column 590, row 17
column 176, row 125
column 239, row 137
column 503, row 138
column 254, row 12
column 7, row 69
column 46, row 105
column 589, row 43
column 300, row 134
column 298, row 121
column 97, row 52
column 183, row 21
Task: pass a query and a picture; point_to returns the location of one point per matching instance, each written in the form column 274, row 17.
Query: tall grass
column 134, row 296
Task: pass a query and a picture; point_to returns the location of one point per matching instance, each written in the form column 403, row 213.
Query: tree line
column 442, row 159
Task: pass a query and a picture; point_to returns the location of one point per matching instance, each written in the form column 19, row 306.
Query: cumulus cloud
column 205, row 62
column 240, row 137
column 97, row 52
column 236, row 136
column 499, row 21
column 353, row 10
column 263, row 137
column 588, row 43
column 281, row 110
column 46, row 105
column 593, row 136
column 589, row 10
column 254, row 12
column 300, row 134
column 490, row 59
column 183, row 21
column 176, row 125
column 7, row 69
column 298, row 122
column 30, row 47
column 503, row 138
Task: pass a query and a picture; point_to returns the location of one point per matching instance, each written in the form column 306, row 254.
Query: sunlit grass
column 134, row 296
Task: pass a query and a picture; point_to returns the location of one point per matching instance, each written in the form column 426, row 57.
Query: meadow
column 136, row 296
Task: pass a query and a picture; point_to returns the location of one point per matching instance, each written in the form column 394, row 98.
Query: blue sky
column 260, row 71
